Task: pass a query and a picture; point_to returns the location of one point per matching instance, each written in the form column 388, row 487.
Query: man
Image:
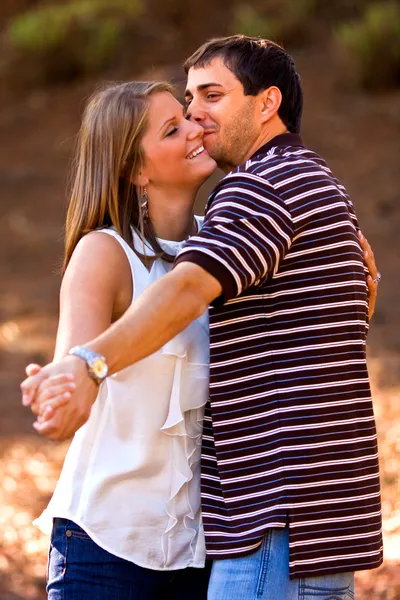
column 290, row 482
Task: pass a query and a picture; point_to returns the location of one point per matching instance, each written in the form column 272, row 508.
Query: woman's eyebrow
column 167, row 121
column 171, row 119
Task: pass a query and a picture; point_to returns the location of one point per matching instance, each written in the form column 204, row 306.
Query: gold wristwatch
column 96, row 364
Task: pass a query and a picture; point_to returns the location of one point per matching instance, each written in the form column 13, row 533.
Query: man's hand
column 53, row 387
column 374, row 275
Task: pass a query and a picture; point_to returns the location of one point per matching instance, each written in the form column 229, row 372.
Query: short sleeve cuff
column 216, row 269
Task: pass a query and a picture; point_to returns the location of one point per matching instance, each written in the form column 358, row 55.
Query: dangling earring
column 145, row 206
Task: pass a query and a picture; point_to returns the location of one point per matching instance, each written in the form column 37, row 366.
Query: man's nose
column 195, row 113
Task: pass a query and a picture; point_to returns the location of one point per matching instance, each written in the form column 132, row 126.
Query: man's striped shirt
column 289, row 431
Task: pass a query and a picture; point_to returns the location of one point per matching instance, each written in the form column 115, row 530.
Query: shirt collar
column 284, row 139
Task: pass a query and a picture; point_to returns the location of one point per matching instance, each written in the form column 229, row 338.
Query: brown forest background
column 53, row 53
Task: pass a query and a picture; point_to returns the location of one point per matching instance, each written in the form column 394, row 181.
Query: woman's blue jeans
column 264, row 575
column 80, row 570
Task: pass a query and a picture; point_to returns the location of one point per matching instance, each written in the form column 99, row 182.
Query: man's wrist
column 96, row 364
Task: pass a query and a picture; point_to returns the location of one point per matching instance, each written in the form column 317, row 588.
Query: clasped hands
column 61, row 394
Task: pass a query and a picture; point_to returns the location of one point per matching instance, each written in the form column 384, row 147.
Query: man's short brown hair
column 258, row 64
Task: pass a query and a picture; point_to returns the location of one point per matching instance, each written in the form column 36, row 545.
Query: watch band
column 96, row 364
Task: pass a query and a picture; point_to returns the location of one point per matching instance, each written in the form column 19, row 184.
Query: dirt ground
column 359, row 135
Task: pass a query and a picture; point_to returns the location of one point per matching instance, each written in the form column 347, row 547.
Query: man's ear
column 271, row 100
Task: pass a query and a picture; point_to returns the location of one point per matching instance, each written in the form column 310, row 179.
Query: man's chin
column 212, row 148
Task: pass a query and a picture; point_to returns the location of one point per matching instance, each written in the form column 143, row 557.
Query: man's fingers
column 32, row 369
column 47, row 414
column 54, row 428
column 50, row 429
column 52, row 404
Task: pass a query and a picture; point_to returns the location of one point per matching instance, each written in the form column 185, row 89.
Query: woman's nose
column 194, row 130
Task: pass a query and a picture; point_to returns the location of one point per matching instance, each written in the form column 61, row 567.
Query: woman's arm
column 96, row 290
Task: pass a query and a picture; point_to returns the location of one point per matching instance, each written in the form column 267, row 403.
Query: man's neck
column 262, row 139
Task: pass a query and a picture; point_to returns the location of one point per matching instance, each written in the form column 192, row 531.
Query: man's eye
column 171, row 132
column 212, row 96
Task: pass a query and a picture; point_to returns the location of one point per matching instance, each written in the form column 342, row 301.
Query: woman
column 125, row 515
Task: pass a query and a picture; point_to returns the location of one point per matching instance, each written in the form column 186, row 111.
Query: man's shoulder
column 244, row 185
column 262, row 163
column 281, row 165
column 242, row 177
column 272, row 172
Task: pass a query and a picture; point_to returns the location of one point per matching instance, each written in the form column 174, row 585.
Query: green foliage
column 282, row 21
column 81, row 35
column 370, row 47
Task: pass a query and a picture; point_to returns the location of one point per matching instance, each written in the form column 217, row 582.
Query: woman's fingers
column 54, row 391
column 30, row 386
column 54, row 396
column 32, row 369
column 369, row 260
column 374, row 276
column 372, row 295
column 50, row 388
column 369, row 256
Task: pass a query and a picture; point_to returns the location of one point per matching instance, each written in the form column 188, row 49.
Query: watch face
column 99, row 368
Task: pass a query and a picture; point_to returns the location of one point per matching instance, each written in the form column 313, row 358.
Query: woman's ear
column 271, row 100
column 141, row 180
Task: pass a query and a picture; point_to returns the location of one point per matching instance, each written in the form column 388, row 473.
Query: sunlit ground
column 29, row 469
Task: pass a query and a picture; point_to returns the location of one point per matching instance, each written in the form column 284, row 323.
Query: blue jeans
column 80, row 570
column 264, row 575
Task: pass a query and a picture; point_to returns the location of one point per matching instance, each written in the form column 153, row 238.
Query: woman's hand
column 96, row 289
column 42, row 387
column 53, row 393
column 50, row 392
column 374, row 276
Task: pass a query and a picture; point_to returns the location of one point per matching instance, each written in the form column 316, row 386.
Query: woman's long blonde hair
column 108, row 156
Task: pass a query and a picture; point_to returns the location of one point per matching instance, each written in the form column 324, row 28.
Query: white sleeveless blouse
column 131, row 477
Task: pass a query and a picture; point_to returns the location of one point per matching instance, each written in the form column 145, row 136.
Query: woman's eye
column 171, row 132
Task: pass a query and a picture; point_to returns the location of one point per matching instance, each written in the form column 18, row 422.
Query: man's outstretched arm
column 162, row 311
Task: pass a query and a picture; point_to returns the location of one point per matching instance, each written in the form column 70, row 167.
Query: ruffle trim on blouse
column 184, row 423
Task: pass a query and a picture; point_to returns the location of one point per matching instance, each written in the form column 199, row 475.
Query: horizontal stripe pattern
column 289, row 432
